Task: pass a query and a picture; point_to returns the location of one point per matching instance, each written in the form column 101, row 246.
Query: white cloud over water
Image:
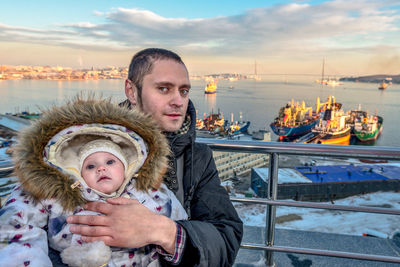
column 288, row 29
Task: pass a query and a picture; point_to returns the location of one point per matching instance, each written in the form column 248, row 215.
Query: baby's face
column 103, row 171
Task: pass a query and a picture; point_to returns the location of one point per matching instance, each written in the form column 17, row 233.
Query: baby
column 86, row 150
column 102, row 165
column 104, row 168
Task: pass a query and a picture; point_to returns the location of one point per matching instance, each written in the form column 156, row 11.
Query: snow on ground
column 319, row 220
column 285, row 175
column 8, row 179
column 341, row 222
column 313, row 160
column 3, row 156
column 15, row 124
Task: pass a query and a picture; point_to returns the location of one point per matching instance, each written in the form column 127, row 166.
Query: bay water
column 257, row 101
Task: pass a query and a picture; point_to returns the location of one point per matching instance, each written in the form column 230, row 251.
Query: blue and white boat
column 294, row 120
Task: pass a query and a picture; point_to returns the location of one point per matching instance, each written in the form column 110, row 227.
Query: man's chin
column 172, row 127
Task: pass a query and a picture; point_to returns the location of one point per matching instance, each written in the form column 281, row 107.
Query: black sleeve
column 215, row 230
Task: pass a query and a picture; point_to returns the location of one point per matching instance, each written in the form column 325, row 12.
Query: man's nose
column 176, row 98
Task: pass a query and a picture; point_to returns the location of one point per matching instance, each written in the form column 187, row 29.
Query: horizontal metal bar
column 6, row 169
column 265, row 201
column 320, row 252
column 378, row 152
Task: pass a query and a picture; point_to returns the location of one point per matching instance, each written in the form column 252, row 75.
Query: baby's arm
column 23, row 237
column 172, row 208
column 80, row 253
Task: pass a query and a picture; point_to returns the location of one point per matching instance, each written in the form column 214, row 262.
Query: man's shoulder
column 202, row 154
column 202, row 148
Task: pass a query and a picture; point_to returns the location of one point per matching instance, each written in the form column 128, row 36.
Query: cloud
column 262, row 30
column 61, row 36
column 269, row 31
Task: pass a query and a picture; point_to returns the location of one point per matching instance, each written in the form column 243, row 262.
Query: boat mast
column 323, row 69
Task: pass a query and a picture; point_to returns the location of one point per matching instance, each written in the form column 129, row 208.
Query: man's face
column 165, row 94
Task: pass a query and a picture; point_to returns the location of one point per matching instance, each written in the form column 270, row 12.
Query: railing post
column 271, row 209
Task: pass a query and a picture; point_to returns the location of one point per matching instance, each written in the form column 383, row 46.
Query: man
column 158, row 84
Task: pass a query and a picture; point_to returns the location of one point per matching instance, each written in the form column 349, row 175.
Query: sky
column 358, row 37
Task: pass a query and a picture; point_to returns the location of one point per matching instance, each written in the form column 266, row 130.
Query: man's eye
column 185, row 92
column 110, row 162
column 163, row 89
column 90, row 166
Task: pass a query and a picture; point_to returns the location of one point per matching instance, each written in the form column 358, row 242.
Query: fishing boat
column 383, row 85
column 26, row 115
column 355, row 116
column 333, row 82
column 211, row 87
column 368, row 128
column 214, row 123
column 294, row 120
column 199, row 124
column 237, row 127
column 330, row 81
column 332, row 128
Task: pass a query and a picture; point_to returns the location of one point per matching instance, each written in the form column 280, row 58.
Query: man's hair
column 142, row 64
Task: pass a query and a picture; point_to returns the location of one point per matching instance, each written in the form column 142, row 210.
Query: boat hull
column 242, row 129
column 341, row 138
column 211, row 88
column 285, row 131
column 366, row 137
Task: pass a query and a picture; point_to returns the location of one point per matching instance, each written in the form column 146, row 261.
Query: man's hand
column 126, row 223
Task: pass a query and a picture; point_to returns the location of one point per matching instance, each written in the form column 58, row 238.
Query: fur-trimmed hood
column 43, row 171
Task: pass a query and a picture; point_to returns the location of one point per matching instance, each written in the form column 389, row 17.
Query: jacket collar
column 178, row 142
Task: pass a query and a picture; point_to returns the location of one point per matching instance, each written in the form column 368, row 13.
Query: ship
column 239, row 127
column 332, row 128
column 212, row 124
column 330, row 81
column 211, row 87
column 355, row 116
column 368, row 128
column 199, row 124
column 333, row 82
column 383, row 85
column 294, row 120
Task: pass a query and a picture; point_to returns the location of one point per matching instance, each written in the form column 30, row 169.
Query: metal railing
column 6, row 169
column 275, row 149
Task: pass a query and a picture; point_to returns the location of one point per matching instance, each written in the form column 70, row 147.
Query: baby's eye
column 111, row 161
column 90, row 166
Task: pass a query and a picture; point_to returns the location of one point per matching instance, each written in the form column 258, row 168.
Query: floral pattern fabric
column 28, row 227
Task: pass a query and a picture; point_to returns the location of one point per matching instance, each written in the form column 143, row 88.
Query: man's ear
column 131, row 92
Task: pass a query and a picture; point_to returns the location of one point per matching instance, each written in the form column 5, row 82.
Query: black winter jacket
column 214, row 230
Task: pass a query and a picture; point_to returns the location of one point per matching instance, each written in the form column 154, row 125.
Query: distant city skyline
column 358, row 37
